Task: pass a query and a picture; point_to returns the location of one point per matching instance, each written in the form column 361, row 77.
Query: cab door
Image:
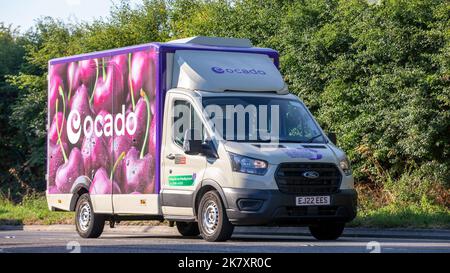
column 181, row 173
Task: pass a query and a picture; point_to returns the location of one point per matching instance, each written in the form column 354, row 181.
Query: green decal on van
column 181, row 180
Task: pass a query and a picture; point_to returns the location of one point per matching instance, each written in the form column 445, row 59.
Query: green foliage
column 376, row 74
column 11, row 56
column 418, row 215
column 126, row 26
column 11, row 51
column 385, row 85
column 28, row 117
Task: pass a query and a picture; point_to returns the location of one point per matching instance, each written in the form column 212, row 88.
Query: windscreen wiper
column 289, row 141
column 250, row 141
column 313, row 138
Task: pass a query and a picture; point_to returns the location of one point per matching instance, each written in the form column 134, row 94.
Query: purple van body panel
column 160, row 86
column 165, row 48
column 102, row 54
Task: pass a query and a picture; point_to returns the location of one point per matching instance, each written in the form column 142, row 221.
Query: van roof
column 194, row 43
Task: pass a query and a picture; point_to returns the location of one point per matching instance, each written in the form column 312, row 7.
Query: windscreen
column 261, row 119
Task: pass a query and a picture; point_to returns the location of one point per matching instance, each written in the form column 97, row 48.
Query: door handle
column 171, row 157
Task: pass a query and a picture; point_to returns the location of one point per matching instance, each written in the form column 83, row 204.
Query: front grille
column 290, row 178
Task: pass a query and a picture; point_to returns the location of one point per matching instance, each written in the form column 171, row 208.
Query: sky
column 23, row 12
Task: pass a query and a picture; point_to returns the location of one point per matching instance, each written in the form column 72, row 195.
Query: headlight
column 248, row 165
column 345, row 166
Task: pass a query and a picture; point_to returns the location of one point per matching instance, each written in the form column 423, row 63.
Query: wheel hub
column 84, row 218
column 211, row 217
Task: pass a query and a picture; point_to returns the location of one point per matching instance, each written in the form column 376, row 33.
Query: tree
column 11, row 54
column 377, row 74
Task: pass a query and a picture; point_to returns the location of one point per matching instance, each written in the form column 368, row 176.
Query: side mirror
column 192, row 144
column 208, row 149
column 332, row 137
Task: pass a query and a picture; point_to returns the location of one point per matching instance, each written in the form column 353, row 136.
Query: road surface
column 166, row 240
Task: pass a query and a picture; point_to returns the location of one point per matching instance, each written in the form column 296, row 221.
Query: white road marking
column 24, row 241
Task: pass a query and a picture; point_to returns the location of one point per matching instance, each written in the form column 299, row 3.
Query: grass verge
column 31, row 211
column 34, row 211
column 404, row 216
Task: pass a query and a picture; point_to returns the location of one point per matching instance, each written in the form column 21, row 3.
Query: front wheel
column 188, row 228
column 327, row 231
column 88, row 223
column 212, row 218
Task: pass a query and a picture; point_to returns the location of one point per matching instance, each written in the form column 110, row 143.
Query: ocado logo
column 220, row 70
column 100, row 126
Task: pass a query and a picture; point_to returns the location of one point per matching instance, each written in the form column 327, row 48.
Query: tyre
column 327, row 231
column 88, row 223
column 213, row 222
column 188, row 228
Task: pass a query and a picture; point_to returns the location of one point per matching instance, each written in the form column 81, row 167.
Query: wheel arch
column 208, row 185
column 79, row 191
column 80, row 187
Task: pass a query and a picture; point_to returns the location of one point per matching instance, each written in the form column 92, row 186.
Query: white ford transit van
column 202, row 132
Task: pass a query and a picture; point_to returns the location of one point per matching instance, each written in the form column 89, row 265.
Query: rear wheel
column 88, row 223
column 212, row 218
column 188, row 228
column 327, row 231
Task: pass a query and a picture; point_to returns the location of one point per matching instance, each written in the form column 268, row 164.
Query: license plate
column 313, row 200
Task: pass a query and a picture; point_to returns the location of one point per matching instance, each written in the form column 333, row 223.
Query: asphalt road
column 168, row 241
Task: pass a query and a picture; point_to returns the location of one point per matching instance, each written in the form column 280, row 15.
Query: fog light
column 249, row 204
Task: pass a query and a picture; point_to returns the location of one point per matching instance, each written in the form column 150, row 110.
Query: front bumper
column 271, row 207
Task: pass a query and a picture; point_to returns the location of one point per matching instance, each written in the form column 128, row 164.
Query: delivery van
column 201, row 132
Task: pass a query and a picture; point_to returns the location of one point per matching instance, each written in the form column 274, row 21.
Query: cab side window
column 184, row 118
